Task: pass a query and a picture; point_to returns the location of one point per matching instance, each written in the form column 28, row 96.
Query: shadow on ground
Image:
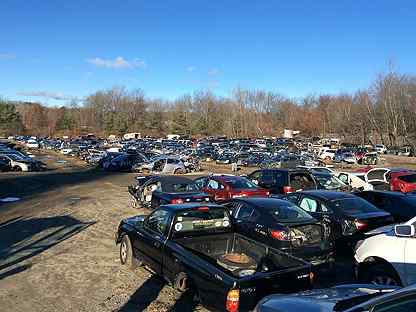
column 22, row 239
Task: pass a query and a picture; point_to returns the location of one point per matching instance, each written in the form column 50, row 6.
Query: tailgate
column 254, row 288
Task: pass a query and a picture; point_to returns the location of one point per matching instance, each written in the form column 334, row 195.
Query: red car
column 226, row 187
column 402, row 181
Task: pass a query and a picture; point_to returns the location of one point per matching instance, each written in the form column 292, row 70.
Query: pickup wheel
column 382, row 275
column 181, row 282
column 126, row 254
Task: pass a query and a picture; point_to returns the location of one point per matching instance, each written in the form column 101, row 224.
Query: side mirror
column 404, row 230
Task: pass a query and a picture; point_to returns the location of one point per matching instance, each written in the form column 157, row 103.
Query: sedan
column 350, row 216
column 282, row 225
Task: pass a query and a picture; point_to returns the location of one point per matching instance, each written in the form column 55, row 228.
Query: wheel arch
column 374, row 261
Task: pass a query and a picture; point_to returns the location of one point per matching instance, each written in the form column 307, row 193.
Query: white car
column 388, row 258
column 32, row 144
column 355, row 180
column 327, row 154
column 380, row 149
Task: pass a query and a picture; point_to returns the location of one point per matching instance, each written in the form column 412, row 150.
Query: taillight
column 177, row 201
column 288, row 189
column 280, row 235
column 233, row 300
column 360, row 224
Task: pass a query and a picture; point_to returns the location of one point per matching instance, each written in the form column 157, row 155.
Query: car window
column 158, row 221
column 200, row 183
column 403, row 304
column 309, row 204
column 292, row 197
column 288, row 212
column 325, row 208
column 255, row 176
column 354, row 205
column 215, row 185
column 245, row 212
column 301, row 181
column 241, row 183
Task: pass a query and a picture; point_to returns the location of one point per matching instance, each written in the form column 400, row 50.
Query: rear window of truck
column 201, row 219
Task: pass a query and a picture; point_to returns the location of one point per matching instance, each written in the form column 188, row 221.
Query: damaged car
column 153, row 191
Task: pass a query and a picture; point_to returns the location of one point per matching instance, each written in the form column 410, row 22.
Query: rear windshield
column 184, row 187
column 411, row 178
column 288, row 212
column 329, row 182
column 201, row 219
column 241, row 184
column 355, row 205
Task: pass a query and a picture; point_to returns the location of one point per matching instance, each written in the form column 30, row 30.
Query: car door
column 217, row 190
column 255, row 176
column 154, row 234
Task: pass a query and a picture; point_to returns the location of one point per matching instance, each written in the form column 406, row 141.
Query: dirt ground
column 57, row 250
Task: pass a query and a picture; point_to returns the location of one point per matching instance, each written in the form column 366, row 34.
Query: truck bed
column 212, row 248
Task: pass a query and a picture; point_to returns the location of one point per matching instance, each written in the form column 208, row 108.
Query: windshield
column 355, row 205
column 329, row 182
column 200, row 219
column 241, row 184
column 288, row 212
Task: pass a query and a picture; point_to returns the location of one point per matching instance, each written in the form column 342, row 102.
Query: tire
column 126, row 254
column 17, row 169
column 181, row 282
column 178, row 171
column 382, row 275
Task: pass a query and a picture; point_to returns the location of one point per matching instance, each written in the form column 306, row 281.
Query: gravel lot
column 57, row 250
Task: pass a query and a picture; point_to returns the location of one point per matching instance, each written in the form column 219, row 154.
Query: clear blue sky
column 53, row 48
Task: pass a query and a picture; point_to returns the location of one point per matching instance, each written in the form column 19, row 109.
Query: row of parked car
column 13, row 158
column 235, row 239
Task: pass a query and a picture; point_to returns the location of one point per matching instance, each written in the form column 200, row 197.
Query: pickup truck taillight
column 177, row 201
column 233, row 300
column 280, row 235
column 288, row 189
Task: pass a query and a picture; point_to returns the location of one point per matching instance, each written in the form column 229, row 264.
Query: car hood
column 380, row 230
column 320, row 300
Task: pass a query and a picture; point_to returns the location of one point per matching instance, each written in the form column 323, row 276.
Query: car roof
column 190, row 206
column 328, row 195
column 391, row 193
column 263, row 201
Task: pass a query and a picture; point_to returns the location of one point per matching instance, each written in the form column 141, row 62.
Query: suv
column 283, row 181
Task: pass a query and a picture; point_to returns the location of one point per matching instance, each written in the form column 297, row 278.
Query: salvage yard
column 57, row 250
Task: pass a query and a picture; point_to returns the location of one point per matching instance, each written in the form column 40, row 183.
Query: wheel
column 17, row 169
column 382, row 275
column 181, row 282
column 178, row 171
column 126, row 254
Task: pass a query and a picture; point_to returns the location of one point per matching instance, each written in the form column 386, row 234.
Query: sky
column 54, row 50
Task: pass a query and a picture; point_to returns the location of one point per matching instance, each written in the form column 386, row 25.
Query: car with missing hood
column 153, row 191
column 344, row 298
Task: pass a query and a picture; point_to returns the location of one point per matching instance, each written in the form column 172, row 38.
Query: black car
column 153, row 191
column 350, row 216
column 344, row 298
column 195, row 248
column 402, row 206
column 282, row 225
column 283, row 181
column 4, row 165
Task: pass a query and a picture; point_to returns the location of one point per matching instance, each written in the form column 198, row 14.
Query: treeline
column 385, row 112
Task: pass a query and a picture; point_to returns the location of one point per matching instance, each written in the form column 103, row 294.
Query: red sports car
column 403, row 181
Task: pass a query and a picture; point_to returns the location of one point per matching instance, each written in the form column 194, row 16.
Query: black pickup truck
column 194, row 247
